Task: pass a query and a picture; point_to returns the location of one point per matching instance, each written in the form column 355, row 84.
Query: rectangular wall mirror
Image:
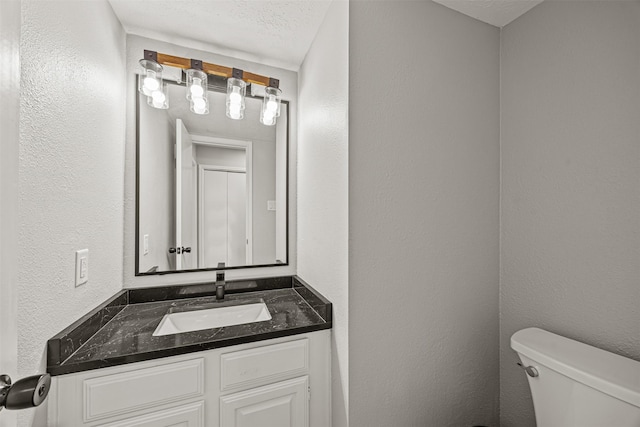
column 210, row 189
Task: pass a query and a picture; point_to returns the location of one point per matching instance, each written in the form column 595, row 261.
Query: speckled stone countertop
column 120, row 330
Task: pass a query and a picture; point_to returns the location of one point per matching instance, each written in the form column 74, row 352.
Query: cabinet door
column 283, row 404
column 191, row 415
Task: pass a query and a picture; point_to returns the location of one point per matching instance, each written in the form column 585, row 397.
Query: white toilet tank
column 578, row 385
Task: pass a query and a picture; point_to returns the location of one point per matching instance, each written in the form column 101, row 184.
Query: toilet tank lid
column 607, row 372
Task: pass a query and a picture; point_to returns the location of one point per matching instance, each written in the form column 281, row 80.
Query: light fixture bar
column 215, row 69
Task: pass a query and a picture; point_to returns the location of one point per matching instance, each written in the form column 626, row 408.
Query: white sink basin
column 176, row 323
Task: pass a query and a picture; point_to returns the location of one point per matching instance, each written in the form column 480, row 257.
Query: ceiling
column 495, row 12
column 272, row 32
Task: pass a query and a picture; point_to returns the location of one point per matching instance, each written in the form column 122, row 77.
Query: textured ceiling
column 272, row 32
column 494, row 12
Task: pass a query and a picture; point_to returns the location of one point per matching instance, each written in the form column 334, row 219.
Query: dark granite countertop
column 120, row 330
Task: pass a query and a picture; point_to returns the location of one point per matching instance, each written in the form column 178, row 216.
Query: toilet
column 577, row 385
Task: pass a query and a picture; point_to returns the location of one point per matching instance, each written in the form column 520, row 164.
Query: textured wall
column 288, row 84
column 323, row 185
column 9, row 147
column 570, row 229
column 423, row 216
column 72, row 116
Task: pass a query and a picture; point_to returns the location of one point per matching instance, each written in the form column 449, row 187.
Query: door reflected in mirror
column 210, row 189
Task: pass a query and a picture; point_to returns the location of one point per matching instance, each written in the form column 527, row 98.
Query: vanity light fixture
column 236, row 91
column 197, row 88
column 270, row 106
column 151, row 77
column 150, row 84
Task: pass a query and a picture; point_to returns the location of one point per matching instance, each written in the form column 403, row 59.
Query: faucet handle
column 220, row 274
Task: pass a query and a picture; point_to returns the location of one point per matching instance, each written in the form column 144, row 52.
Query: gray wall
column 570, row 229
column 423, row 216
column 323, row 197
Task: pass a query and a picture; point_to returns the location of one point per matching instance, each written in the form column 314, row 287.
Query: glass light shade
column 236, row 91
column 196, row 84
column 150, row 79
column 199, row 105
column 159, row 98
column 270, row 106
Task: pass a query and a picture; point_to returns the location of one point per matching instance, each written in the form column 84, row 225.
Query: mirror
column 210, row 189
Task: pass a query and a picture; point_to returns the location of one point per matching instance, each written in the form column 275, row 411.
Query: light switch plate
column 271, row 205
column 82, row 267
column 145, row 245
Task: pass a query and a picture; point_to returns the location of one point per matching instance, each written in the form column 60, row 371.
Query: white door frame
column 234, row 144
column 180, row 128
column 178, row 194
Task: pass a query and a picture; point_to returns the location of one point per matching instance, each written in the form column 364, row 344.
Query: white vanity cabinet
column 283, row 382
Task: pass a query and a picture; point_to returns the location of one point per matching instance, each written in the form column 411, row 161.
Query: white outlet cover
column 82, row 267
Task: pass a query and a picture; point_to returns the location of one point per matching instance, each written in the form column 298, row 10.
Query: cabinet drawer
column 262, row 365
column 116, row 394
column 283, row 404
column 191, row 415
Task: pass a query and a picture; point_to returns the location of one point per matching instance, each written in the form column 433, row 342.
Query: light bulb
column 199, row 106
column 150, row 83
column 196, row 88
column 235, row 111
column 199, row 103
column 234, row 97
column 272, row 105
column 236, row 89
column 150, row 78
column 268, row 118
column 269, row 121
column 158, row 97
column 196, row 83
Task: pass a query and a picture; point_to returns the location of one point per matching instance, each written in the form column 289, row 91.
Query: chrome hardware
column 5, row 385
column 220, row 283
column 530, row 370
column 180, row 250
column 25, row 393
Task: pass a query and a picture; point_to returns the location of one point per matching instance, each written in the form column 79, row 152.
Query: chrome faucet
column 220, row 284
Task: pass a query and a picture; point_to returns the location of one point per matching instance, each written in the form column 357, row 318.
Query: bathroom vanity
column 109, row 369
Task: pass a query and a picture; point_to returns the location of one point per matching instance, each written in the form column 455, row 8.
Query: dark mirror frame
column 216, row 84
